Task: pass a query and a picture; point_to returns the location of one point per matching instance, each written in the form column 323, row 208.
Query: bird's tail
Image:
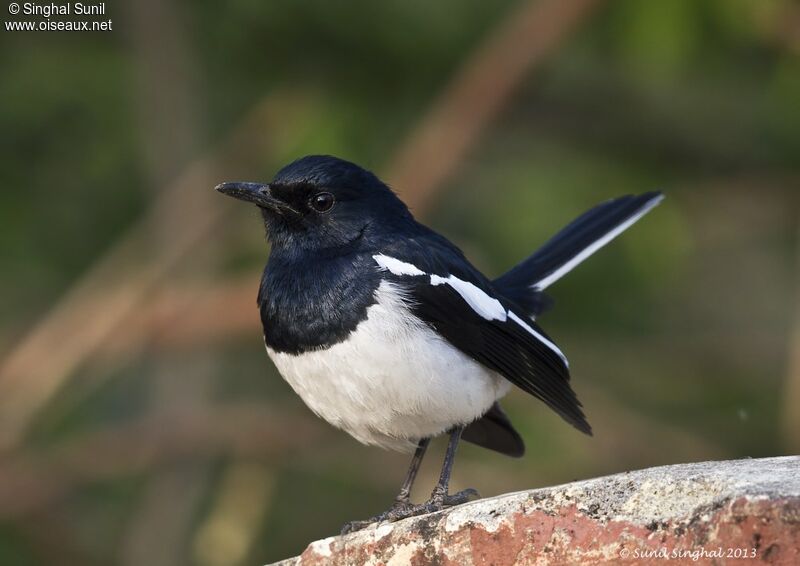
column 585, row 235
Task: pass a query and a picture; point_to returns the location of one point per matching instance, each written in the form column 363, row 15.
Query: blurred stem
column 167, row 93
column 161, row 524
column 170, row 126
column 32, row 481
column 791, row 398
column 226, row 536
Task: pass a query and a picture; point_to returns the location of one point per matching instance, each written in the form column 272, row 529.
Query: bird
column 385, row 329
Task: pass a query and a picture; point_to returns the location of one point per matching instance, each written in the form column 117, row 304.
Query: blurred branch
column 54, row 541
column 781, row 26
column 233, row 524
column 478, row 92
column 31, row 481
column 184, row 316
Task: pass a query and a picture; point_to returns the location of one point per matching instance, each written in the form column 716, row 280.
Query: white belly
column 394, row 380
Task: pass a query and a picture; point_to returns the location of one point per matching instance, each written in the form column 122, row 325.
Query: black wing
column 500, row 339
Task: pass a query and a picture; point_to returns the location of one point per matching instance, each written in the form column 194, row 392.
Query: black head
column 320, row 202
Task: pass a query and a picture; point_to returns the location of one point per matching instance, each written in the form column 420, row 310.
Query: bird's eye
column 322, row 202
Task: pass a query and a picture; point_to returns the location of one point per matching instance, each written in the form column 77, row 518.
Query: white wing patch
column 486, row 306
column 539, row 336
column 396, row 266
column 545, row 282
column 483, row 304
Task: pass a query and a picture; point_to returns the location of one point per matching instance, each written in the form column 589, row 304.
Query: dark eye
column 322, row 202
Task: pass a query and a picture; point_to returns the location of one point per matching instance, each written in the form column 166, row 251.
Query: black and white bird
column 388, row 332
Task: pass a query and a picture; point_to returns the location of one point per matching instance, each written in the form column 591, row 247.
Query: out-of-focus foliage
column 677, row 332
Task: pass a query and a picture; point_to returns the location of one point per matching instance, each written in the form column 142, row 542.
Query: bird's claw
column 451, row 500
column 404, row 509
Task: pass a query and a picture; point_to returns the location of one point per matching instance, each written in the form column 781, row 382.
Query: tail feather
column 495, row 432
column 572, row 245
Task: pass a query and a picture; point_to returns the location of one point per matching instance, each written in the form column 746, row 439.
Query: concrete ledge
column 733, row 512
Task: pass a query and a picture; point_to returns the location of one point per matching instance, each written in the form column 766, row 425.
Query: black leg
column 440, row 498
column 402, row 503
column 403, row 497
column 442, row 487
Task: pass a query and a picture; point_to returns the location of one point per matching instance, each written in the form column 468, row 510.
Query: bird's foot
column 395, row 513
column 405, row 509
column 439, row 502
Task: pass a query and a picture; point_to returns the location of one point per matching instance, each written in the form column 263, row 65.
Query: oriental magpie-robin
column 388, row 332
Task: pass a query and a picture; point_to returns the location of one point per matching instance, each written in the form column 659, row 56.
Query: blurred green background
column 141, row 421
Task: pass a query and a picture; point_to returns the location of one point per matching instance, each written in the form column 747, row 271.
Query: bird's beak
column 256, row 193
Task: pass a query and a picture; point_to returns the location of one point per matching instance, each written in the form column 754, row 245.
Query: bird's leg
column 403, row 498
column 440, row 498
column 402, row 503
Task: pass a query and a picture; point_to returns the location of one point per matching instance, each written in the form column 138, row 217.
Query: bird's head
column 320, row 202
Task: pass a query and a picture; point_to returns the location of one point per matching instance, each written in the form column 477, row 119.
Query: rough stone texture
column 735, row 512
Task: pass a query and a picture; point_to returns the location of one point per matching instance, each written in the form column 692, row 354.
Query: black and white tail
column 585, row 235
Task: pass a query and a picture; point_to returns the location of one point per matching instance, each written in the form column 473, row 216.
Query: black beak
column 256, row 193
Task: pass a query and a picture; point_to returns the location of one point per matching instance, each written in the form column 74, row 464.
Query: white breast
column 394, row 380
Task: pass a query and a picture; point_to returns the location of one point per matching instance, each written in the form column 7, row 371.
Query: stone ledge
column 710, row 512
